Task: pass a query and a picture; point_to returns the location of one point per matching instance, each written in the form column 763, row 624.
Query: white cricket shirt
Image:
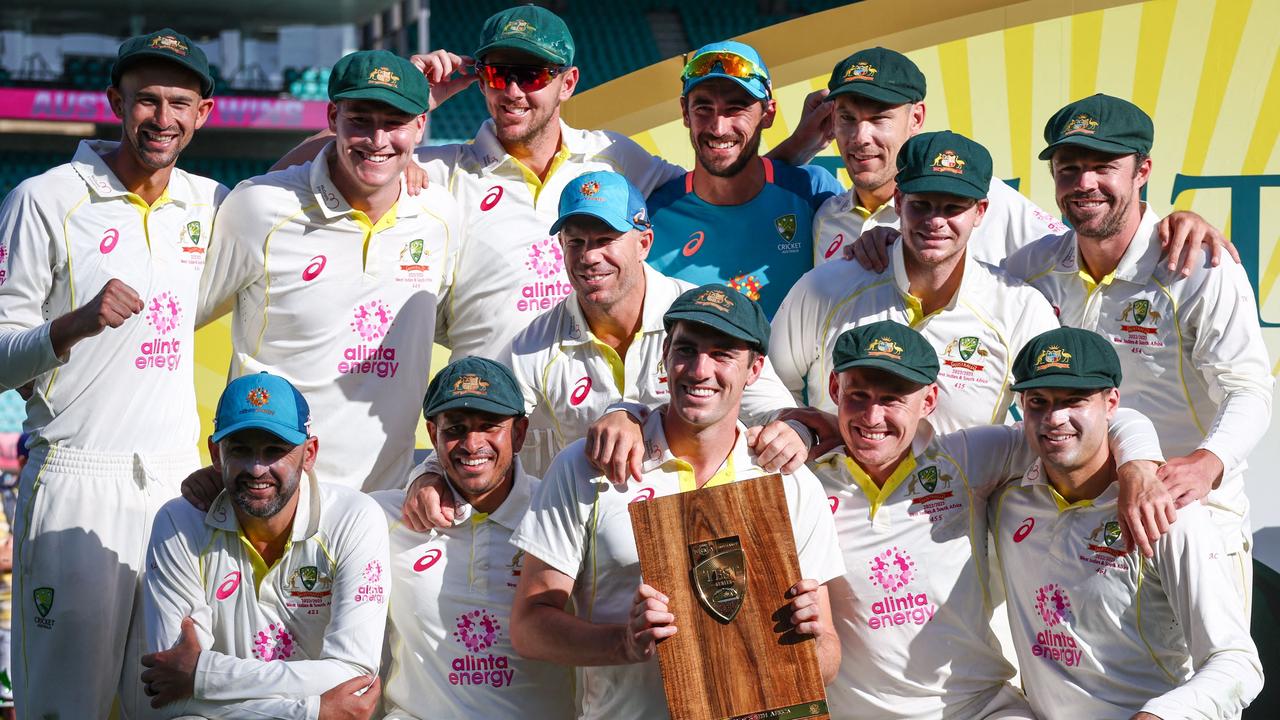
column 1101, row 633
column 273, row 639
column 1011, row 222
column 63, row 235
column 578, row 523
column 977, row 335
column 450, row 612
column 1190, row 349
column 510, row 269
column 341, row 307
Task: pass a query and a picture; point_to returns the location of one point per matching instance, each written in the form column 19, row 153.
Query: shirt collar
column 494, row 155
column 898, row 263
column 91, row 168
column 1139, row 260
column 656, row 302
column 306, row 520
column 658, row 453
column 331, row 202
column 511, row 510
column 1035, row 476
column 851, row 204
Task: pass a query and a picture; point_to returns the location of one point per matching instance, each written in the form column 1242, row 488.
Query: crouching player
column 1100, row 632
column 272, row 604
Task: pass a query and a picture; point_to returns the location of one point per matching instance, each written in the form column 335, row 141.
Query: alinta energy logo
column 4, row 256
column 478, row 630
column 546, row 261
column 1054, row 608
column 892, row 570
column 546, row 258
column 371, row 321
column 273, row 643
column 371, row 589
column 163, row 312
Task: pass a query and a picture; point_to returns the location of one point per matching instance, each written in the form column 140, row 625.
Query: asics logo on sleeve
column 694, row 244
column 834, row 502
column 230, row 582
column 834, row 246
column 495, row 194
column 1024, row 530
column 312, row 271
column 642, row 496
column 580, row 391
column 109, row 240
column 426, row 561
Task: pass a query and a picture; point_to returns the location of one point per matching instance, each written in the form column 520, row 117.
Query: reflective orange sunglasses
column 529, row 78
column 731, row 64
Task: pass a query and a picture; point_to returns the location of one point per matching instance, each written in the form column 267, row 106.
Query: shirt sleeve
column 456, row 234
column 794, row 343
column 353, row 639
column 1023, row 221
column 554, row 530
column 1133, row 437
column 822, row 185
column 645, row 170
column 814, row 529
column 29, row 259
column 235, row 259
column 762, row 399
column 1193, row 567
column 1231, row 355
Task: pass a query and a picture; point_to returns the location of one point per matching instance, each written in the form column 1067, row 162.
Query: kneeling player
column 1100, row 632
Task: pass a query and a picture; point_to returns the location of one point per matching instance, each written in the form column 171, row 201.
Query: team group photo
column 416, row 360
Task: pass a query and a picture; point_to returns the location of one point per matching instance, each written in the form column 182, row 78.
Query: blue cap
column 757, row 85
column 265, row 402
column 605, row 195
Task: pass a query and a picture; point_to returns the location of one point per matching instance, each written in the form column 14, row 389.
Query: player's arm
column 813, row 133
column 353, row 638
column 818, row 551
column 1194, row 570
column 1184, row 234
column 795, row 339
column 235, row 259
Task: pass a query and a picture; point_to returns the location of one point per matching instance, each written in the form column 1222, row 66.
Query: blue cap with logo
column 736, row 61
column 606, row 196
column 262, row 402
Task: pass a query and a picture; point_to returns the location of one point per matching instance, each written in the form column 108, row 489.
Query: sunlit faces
column 725, row 124
column 869, row 135
column 476, row 450
column 936, row 226
column 706, row 373
column 1068, row 427
column 520, row 118
column 604, row 265
column 160, row 108
column 1097, row 192
column 375, row 143
column 878, row 414
column 260, row 471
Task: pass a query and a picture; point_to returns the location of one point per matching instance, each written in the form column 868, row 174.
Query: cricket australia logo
column 786, row 226
column 411, row 256
column 546, row 259
column 966, row 348
column 189, row 240
column 42, row 597
column 1081, row 123
column 372, row 320
column 477, row 630
column 884, row 347
column 1053, row 605
column 164, row 312
column 715, row 299
column 384, row 76
column 1103, row 539
column 1140, row 311
column 927, row 478
column 860, row 71
column 948, row 161
column 470, row 385
column 1053, row 357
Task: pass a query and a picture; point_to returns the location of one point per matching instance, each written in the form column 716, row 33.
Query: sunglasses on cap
column 729, row 63
column 529, row 78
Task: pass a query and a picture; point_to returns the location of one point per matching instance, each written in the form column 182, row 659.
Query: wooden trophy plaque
column 726, row 556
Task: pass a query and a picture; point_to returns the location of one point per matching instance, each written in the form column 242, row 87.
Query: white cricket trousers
column 84, row 520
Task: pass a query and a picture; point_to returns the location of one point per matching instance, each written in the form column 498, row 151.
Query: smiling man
column 100, row 263
column 738, row 218
column 272, row 604
column 451, row 589
column 578, row 537
column 1101, row 633
column 335, row 273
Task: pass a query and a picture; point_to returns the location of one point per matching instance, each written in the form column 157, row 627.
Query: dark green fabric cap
column 528, row 29
column 725, row 309
column 165, row 44
column 381, row 76
column 1067, row 358
column 474, row 383
column 1103, row 123
column 889, row 346
column 944, row 162
column 880, row 74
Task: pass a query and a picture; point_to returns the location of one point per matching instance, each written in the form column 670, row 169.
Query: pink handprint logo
column 546, row 258
column 1053, row 605
column 892, row 569
column 372, row 320
column 274, row 643
column 164, row 312
column 477, row 630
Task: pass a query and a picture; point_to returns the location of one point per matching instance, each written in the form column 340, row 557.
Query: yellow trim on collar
column 1091, row 285
column 915, row 309
column 723, row 476
column 614, row 360
column 1063, row 504
column 386, row 222
column 877, row 495
column 260, row 567
column 531, row 178
column 145, row 210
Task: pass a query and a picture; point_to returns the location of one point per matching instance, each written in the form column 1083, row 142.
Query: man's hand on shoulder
column 345, row 701
column 615, row 447
column 1145, row 507
column 201, row 487
column 171, row 674
column 1191, row 477
column 1184, row 234
column 428, row 504
column 778, row 447
column 871, row 248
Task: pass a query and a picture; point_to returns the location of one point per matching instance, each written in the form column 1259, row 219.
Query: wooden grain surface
column 754, row 663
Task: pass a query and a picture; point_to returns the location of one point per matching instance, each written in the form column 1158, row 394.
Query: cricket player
column 737, row 218
column 100, row 263
column 272, row 603
column 877, row 103
column 1189, row 344
column 451, row 589
column 910, row 507
column 335, row 273
column 1101, row 632
column 577, row 535
column 974, row 315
